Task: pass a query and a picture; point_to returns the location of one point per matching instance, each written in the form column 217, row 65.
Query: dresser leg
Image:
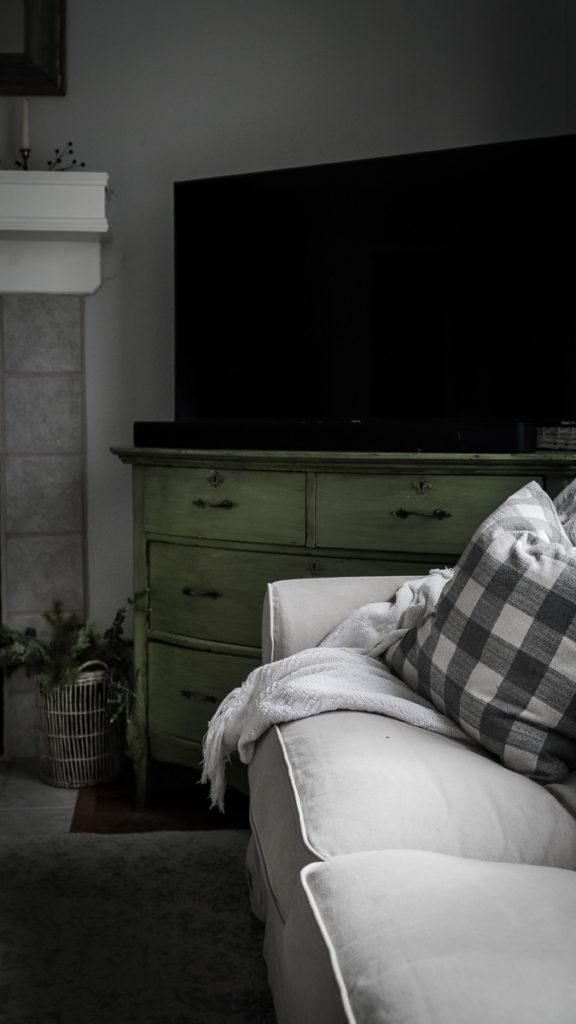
column 142, row 783
column 140, row 758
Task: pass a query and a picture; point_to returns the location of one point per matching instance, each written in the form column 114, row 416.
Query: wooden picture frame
column 40, row 70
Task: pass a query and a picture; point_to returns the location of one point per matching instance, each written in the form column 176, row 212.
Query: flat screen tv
column 415, row 302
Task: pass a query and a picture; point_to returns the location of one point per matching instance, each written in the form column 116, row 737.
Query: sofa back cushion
column 498, row 653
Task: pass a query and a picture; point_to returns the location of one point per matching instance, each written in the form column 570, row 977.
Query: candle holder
column 25, row 154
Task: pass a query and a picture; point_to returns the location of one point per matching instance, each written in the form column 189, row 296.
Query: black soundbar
column 385, row 435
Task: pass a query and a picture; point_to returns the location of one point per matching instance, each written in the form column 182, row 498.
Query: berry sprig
column 64, row 154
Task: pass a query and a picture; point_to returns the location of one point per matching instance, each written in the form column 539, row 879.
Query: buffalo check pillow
column 498, row 653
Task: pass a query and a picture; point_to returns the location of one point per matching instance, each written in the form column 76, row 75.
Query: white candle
column 25, row 139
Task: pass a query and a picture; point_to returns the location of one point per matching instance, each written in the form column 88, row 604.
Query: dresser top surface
column 537, row 461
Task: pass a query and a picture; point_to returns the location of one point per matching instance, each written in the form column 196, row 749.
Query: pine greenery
column 55, row 659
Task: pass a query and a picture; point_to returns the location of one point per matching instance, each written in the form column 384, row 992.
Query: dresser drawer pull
column 190, row 592
column 438, row 513
column 190, row 695
column 200, row 503
column 215, row 478
column 421, row 486
column 315, row 568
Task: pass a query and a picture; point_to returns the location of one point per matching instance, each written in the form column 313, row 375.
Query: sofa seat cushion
column 415, row 937
column 346, row 781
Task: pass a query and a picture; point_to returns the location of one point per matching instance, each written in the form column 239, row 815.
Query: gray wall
column 164, row 91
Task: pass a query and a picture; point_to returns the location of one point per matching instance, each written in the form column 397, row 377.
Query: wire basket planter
column 81, row 740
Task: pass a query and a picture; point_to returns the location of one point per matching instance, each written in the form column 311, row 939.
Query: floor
column 29, row 806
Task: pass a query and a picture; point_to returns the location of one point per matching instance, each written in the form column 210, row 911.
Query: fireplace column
column 42, row 471
column 51, row 229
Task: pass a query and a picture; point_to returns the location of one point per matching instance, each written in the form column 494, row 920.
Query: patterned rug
column 129, row 929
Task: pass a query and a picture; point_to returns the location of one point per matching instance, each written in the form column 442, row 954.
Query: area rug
column 129, row 929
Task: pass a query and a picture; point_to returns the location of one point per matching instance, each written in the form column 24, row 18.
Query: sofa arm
column 299, row 613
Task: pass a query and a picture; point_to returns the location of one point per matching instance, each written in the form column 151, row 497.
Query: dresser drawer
column 217, row 594
column 210, row 593
column 406, row 512
column 185, row 687
column 227, row 504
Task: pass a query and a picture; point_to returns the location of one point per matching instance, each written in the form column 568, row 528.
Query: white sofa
column 403, row 877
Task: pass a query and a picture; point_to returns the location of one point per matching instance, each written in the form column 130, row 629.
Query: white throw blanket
column 343, row 673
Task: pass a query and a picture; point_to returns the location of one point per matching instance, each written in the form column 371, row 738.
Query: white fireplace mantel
column 51, row 227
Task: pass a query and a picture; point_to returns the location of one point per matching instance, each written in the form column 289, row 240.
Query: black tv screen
column 422, row 289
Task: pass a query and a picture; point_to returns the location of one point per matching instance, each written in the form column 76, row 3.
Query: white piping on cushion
column 329, row 946
column 268, row 626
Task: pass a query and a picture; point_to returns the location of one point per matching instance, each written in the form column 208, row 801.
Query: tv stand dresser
column 212, row 528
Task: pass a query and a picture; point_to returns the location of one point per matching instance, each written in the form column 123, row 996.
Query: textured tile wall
column 42, row 550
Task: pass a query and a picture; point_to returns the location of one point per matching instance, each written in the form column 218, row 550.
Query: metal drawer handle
column 438, row 513
column 200, row 503
column 190, row 695
column 190, row 592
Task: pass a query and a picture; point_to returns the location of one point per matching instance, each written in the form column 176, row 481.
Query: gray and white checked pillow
column 498, row 653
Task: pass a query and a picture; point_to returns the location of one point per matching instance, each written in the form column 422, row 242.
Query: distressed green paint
column 264, row 506
column 288, row 514
column 138, row 724
column 186, row 686
column 217, row 594
column 362, row 511
column 532, row 464
column 188, row 753
column 175, row 749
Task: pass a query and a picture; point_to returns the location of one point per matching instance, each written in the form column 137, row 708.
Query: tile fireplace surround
column 51, row 227
column 43, row 534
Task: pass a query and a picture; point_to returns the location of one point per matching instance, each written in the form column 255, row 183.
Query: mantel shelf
column 51, row 227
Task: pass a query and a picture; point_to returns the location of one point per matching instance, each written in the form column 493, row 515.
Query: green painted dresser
column 212, row 528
